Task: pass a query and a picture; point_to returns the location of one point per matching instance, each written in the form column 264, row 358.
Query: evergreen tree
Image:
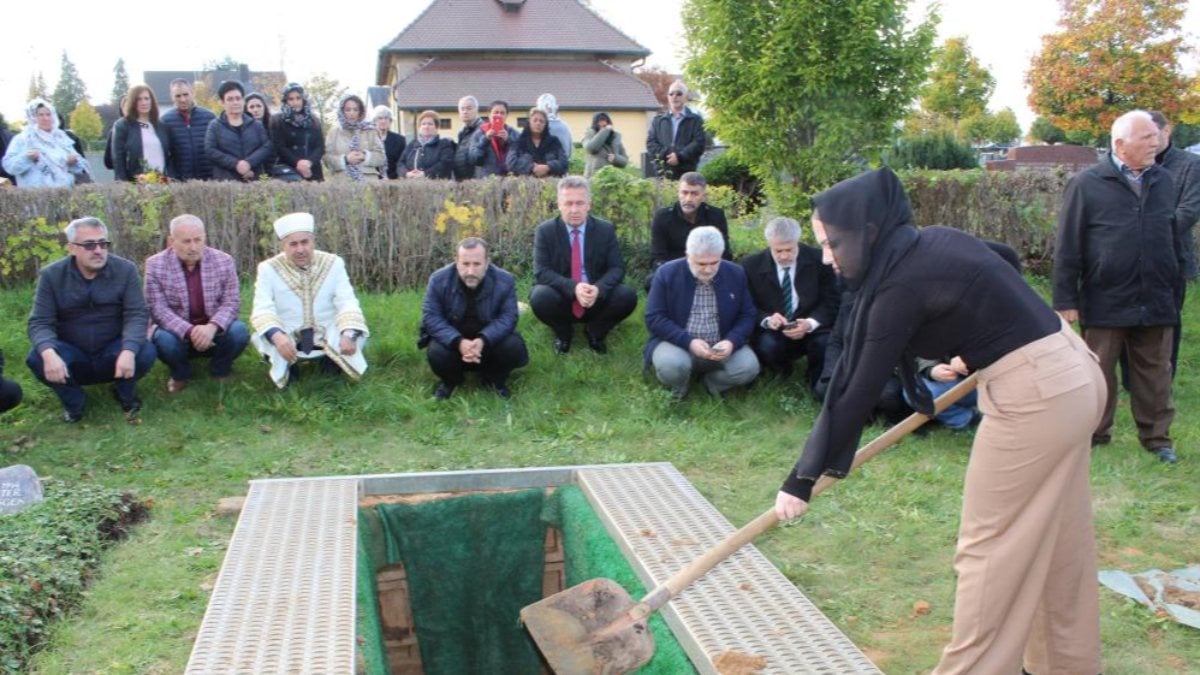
column 37, row 88
column 120, row 82
column 70, row 89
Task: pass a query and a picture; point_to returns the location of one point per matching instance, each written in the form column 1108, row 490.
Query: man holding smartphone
column 700, row 317
column 797, row 300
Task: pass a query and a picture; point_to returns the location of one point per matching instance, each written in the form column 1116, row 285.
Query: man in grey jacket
column 88, row 323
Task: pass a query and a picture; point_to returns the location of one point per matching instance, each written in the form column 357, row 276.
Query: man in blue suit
column 700, row 316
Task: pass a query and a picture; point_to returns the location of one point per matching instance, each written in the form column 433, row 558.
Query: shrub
column 48, row 554
column 933, row 150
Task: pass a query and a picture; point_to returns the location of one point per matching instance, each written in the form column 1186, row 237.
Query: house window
column 522, row 122
column 444, row 123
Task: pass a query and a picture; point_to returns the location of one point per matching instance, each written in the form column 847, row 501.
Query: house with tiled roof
column 516, row 50
column 269, row 82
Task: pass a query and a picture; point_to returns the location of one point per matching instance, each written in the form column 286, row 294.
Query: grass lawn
column 869, row 549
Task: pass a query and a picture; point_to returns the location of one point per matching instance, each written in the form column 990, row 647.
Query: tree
column 1001, row 127
column 1109, row 57
column 803, row 90
column 1044, row 131
column 86, row 122
column 70, row 90
column 37, row 88
column 324, row 93
column 120, row 82
column 204, row 94
column 659, row 81
column 958, row 86
column 939, row 150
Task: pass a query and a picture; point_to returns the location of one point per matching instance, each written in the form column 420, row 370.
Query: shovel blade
column 564, row 627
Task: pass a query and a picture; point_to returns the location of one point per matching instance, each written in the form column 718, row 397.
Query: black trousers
column 777, row 352
column 554, row 310
column 499, row 360
column 10, row 394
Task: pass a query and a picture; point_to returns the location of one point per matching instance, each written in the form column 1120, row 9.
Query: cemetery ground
column 874, row 554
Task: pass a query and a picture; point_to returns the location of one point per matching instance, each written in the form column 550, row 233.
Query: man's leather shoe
column 561, row 346
column 1165, row 454
column 442, row 392
column 597, row 344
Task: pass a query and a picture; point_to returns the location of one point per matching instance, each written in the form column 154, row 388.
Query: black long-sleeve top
column 950, row 295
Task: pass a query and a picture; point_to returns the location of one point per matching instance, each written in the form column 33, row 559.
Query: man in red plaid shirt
column 192, row 292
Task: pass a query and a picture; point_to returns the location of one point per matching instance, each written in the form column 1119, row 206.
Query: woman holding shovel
column 1026, row 563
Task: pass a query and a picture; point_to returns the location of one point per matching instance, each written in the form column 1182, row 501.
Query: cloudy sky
column 305, row 41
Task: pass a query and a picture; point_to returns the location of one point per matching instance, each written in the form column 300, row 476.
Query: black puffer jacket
column 226, row 145
column 188, row 159
column 464, row 168
column 436, row 159
column 293, row 143
column 1118, row 259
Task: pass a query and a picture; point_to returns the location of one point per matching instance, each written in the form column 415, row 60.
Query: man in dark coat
column 1185, row 171
column 577, row 270
column 796, row 297
column 469, row 321
column 1117, row 270
column 700, row 316
column 186, row 125
column 676, row 138
column 671, row 225
column 468, row 112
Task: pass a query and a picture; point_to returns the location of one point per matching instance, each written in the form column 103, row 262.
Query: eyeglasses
column 674, row 93
column 93, row 245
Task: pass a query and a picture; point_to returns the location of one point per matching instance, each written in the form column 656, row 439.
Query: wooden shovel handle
column 728, row 546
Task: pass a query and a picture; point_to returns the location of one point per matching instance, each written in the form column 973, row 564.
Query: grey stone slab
column 19, row 487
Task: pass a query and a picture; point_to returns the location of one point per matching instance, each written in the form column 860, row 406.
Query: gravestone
column 19, row 487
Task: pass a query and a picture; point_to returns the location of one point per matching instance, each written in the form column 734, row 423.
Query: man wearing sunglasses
column 88, row 323
column 676, row 138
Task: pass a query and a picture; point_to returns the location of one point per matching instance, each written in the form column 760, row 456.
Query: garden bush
column 934, row 150
column 393, row 235
column 48, row 554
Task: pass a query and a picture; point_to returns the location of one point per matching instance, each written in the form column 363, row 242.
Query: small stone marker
column 19, row 487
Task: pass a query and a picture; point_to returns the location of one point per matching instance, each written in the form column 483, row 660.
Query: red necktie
column 576, row 269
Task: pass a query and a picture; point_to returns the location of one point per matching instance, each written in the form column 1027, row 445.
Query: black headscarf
column 869, row 225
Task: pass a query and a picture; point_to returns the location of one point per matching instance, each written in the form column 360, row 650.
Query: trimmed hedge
column 48, row 555
column 393, row 235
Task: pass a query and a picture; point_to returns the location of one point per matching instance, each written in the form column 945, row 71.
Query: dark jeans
column 554, row 310
column 176, row 353
column 777, row 352
column 84, row 369
column 499, row 360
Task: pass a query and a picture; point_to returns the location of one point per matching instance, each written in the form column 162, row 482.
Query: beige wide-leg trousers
column 1026, row 558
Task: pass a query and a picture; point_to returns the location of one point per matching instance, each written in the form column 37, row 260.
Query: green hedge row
column 48, row 554
column 394, row 234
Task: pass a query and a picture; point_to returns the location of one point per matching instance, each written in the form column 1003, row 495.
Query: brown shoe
column 175, row 386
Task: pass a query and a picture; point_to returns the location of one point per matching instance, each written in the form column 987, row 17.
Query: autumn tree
column 804, row 90
column 659, row 81
column 1109, row 57
column 324, row 93
column 37, row 88
column 86, row 122
column 958, row 86
column 120, row 82
column 70, row 89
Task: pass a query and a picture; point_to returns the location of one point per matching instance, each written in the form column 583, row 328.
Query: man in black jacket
column 469, row 321
column 676, row 138
column 468, row 112
column 187, row 124
column 797, row 300
column 577, row 269
column 1185, row 171
column 671, row 225
column 1117, row 270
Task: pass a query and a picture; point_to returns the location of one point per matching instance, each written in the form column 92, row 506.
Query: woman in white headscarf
column 42, row 155
column 352, row 148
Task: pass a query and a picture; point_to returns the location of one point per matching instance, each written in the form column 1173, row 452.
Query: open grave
column 426, row 573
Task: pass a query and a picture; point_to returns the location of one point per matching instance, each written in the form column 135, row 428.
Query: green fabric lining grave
column 472, row 563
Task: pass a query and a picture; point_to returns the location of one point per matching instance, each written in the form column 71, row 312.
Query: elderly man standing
column 700, row 315
column 468, row 112
column 1117, row 269
column 192, row 291
column 469, row 321
column 676, row 138
column 577, row 270
column 797, row 300
column 88, row 323
column 305, row 308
